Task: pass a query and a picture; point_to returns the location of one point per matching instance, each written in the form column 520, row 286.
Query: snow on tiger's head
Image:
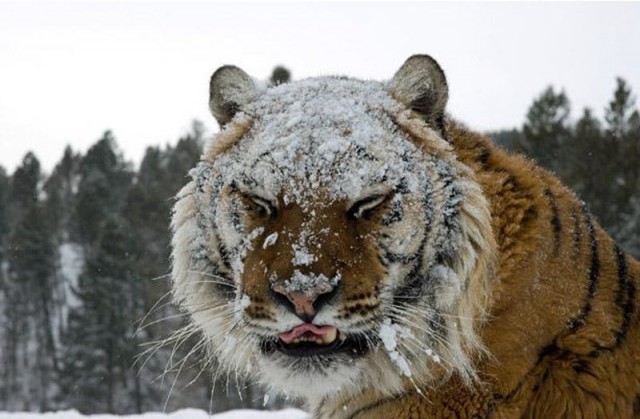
column 329, row 238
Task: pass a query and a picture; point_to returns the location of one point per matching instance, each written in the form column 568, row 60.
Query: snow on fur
column 301, row 283
column 388, row 333
column 304, row 138
column 311, row 143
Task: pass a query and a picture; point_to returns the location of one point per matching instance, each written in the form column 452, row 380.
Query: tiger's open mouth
column 309, row 339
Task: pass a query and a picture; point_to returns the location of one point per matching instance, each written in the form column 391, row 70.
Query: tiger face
column 329, row 240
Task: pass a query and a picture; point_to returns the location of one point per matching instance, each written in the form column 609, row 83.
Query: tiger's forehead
column 332, row 135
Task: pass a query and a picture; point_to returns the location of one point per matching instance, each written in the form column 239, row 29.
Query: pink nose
column 303, row 301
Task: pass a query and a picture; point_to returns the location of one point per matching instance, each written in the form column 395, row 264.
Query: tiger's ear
column 420, row 85
column 230, row 90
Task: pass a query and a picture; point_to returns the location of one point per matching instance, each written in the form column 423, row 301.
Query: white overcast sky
column 69, row 71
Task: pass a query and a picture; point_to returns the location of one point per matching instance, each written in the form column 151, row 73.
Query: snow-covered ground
column 180, row 414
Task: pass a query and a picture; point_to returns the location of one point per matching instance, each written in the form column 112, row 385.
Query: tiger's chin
column 334, row 376
column 309, row 378
column 311, row 366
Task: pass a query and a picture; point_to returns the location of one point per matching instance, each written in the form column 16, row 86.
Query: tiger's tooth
column 330, row 336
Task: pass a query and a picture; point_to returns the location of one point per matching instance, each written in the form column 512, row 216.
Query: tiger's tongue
column 310, row 332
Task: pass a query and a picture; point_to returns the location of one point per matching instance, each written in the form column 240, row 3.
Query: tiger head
column 329, row 239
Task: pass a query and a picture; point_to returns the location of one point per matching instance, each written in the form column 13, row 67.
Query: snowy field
column 180, row 414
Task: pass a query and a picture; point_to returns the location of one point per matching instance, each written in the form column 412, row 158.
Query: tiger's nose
column 305, row 302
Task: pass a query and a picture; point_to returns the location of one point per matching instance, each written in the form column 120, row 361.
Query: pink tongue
column 304, row 328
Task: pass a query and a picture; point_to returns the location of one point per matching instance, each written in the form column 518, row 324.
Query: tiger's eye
column 365, row 206
column 263, row 207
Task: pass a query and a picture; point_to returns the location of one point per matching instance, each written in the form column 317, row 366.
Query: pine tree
column 104, row 180
column 623, row 129
column 32, row 270
column 145, row 213
column 29, row 347
column 183, row 157
column 98, row 330
column 620, row 113
column 22, row 195
column 24, row 184
column 100, row 340
column 588, row 150
column 546, row 129
column 60, row 190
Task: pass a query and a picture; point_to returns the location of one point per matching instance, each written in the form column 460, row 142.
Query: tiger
column 349, row 244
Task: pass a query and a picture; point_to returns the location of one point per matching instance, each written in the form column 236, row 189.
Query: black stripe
column 577, row 232
column 625, row 296
column 224, row 253
column 483, row 156
column 205, row 253
column 450, row 210
column 412, row 287
column 217, row 184
column 594, row 269
column 555, row 220
column 234, row 218
column 223, row 284
column 530, row 214
column 395, row 214
column 391, row 257
column 383, row 261
column 510, row 182
column 593, row 273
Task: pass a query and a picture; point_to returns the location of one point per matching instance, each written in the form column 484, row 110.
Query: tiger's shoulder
column 563, row 329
